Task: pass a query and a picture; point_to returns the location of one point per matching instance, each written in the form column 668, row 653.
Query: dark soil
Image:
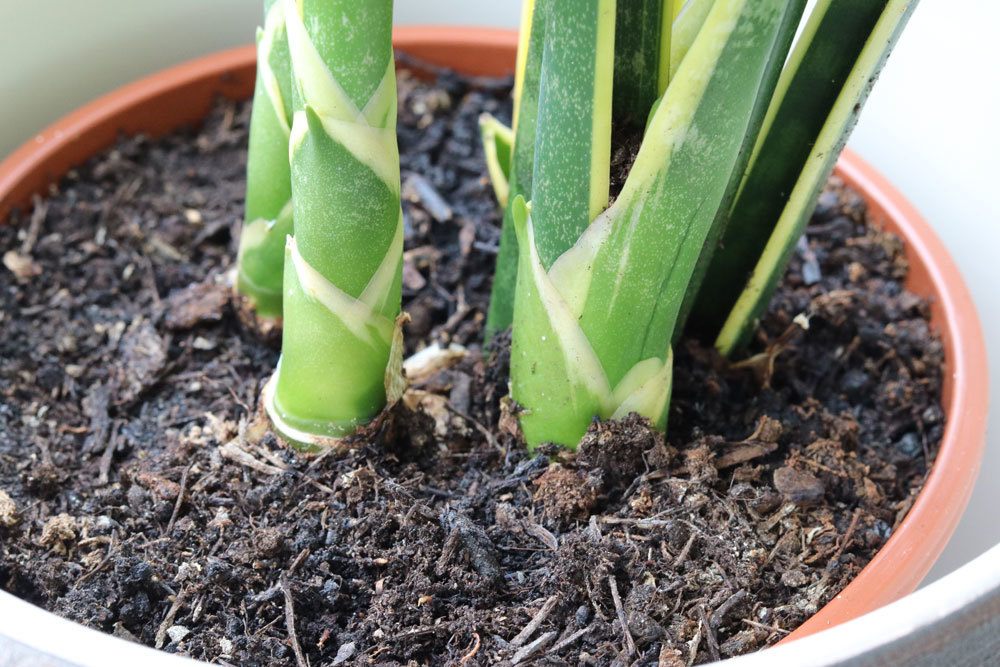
column 140, row 497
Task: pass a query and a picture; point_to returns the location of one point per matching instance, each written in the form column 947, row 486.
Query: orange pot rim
column 907, row 556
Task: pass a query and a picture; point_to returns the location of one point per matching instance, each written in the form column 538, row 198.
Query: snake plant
column 599, row 288
column 342, row 267
column 731, row 126
column 269, row 183
column 737, row 137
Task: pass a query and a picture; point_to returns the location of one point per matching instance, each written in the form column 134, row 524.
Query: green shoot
column 269, row 188
column 342, row 268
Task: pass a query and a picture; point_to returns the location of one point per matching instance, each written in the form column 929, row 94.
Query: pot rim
column 907, row 556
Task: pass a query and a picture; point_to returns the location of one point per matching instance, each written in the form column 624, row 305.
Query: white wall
column 59, row 54
column 931, row 125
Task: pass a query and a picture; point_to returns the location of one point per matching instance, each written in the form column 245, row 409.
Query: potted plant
column 725, row 143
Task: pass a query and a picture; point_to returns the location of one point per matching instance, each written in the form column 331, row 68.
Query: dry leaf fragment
column 22, row 266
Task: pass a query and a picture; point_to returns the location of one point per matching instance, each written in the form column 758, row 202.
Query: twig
column 483, row 431
column 148, row 278
column 560, row 645
column 100, row 566
column 780, row 514
column 168, row 620
column 762, row 364
column 677, row 602
column 43, row 448
column 487, row 248
column 447, row 551
column 541, row 534
column 461, row 311
column 298, row 561
column 419, row 190
column 637, row 523
column 471, row 653
column 180, row 499
column 232, row 451
column 535, row 622
column 270, row 624
column 744, row 453
column 682, row 556
column 300, row 659
column 421, row 630
column 848, row 536
column 762, row 626
column 719, row 615
column 271, row 456
column 104, row 470
column 95, row 406
column 319, row 485
column 713, row 642
column 693, row 646
column 622, row 618
column 97, row 539
column 35, row 225
column 594, row 603
column 532, row 648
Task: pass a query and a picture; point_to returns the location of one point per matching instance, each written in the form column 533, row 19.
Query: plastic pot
column 184, row 94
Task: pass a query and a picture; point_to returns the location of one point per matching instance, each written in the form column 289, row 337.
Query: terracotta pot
column 184, row 94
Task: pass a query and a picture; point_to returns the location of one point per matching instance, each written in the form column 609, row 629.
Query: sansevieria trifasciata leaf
column 521, row 167
column 269, row 188
column 818, row 99
column 594, row 315
column 642, row 56
column 690, row 15
column 343, row 266
column 648, row 52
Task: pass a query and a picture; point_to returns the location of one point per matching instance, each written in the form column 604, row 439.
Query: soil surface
column 139, row 496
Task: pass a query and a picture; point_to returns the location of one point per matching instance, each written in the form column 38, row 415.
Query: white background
column 931, row 126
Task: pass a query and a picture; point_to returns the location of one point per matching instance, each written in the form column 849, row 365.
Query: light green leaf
column 498, row 145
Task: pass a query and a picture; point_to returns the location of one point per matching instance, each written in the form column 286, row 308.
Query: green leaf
column 526, row 89
column 772, row 73
column 649, row 242
column 555, row 374
column 642, row 56
column 571, row 180
column 269, row 190
column 821, row 92
column 334, row 352
column 528, row 40
column 343, row 267
column 688, row 21
column 345, row 212
column 261, row 261
column 350, row 38
column 615, row 293
column 498, row 145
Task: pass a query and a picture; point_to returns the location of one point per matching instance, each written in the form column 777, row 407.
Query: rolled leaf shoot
column 269, row 189
column 343, row 266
